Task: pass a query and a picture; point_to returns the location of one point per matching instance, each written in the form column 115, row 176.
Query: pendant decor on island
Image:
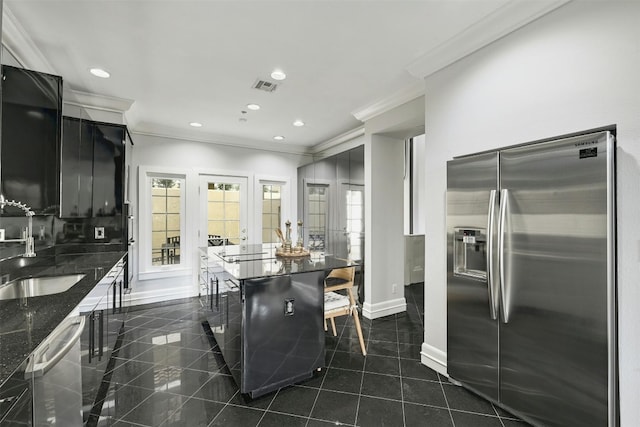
column 286, row 249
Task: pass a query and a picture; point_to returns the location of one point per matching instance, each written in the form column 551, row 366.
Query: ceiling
column 186, row 61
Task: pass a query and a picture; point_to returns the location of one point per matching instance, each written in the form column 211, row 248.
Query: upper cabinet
column 31, row 124
column 92, row 168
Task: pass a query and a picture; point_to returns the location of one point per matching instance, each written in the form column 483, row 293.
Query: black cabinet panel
column 92, row 168
column 77, row 168
column 31, row 120
column 108, row 162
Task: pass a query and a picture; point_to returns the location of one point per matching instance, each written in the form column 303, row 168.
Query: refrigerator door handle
column 491, row 280
column 504, row 296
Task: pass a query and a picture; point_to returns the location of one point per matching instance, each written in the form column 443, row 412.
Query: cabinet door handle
column 210, row 292
column 113, row 311
column 217, row 294
column 101, row 334
column 92, row 333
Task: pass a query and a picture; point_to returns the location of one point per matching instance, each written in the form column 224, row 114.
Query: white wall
column 383, row 222
column 192, row 158
column 575, row 69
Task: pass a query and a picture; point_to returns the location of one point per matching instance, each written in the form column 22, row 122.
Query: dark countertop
column 254, row 261
column 24, row 324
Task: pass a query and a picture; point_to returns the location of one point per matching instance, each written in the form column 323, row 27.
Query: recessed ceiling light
column 278, row 138
column 298, row 123
column 253, row 107
column 195, row 124
column 99, row 72
column 278, row 75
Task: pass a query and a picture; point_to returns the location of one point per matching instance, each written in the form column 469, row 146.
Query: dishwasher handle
column 39, row 369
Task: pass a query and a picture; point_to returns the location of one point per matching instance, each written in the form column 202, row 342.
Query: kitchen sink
column 38, row 286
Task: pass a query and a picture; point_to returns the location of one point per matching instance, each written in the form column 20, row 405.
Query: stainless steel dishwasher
column 55, row 373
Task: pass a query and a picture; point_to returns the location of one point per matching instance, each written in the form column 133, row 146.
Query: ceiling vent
column 264, row 85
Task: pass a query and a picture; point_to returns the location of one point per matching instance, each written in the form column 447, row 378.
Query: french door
column 223, row 210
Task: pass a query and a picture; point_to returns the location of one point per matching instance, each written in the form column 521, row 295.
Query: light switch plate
column 99, row 233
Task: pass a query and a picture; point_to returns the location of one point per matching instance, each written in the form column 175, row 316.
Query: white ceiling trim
column 506, row 19
column 97, row 102
column 404, row 95
column 17, row 41
column 338, row 140
column 227, row 141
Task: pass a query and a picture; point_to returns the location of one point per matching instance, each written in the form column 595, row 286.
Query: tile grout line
column 364, row 366
column 446, row 401
column 268, row 406
column 323, row 378
column 404, row 417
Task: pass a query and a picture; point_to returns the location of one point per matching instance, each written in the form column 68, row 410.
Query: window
column 166, row 203
column 271, row 211
column 162, row 231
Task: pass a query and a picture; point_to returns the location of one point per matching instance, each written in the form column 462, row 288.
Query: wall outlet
column 1, row 234
column 394, row 288
column 99, row 233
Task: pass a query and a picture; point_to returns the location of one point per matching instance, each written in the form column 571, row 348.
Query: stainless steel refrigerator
column 531, row 292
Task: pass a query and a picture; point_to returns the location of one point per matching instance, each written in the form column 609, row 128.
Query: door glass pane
column 271, row 211
column 223, row 213
column 355, row 224
column 166, row 202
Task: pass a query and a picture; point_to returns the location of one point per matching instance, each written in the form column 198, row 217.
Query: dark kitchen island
column 266, row 313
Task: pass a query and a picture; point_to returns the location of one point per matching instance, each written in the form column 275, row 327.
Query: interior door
column 472, row 325
column 223, row 206
column 557, row 335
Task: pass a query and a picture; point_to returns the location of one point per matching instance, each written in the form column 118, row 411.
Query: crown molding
column 338, row 140
column 228, row 141
column 97, row 102
column 513, row 15
column 404, row 95
column 17, row 41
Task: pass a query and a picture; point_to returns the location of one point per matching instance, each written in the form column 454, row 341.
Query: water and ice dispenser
column 470, row 253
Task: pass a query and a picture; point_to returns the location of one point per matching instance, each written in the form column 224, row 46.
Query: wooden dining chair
column 337, row 304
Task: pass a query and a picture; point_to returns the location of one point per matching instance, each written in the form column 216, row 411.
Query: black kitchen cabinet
column 104, row 308
column 92, row 168
column 31, row 128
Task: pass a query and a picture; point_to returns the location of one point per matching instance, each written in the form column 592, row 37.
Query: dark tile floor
column 169, row 373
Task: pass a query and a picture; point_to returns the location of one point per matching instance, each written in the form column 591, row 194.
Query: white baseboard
column 161, row 295
column 385, row 308
column 434, row 358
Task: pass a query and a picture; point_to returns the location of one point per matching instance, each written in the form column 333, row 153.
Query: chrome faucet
column 27, row 234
